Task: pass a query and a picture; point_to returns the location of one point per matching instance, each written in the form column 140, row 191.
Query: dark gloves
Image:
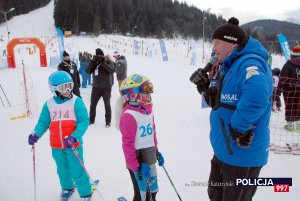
column 160, row 158
column 200, row 78
column 242, row 140
column 69, row 141
column 32, row 139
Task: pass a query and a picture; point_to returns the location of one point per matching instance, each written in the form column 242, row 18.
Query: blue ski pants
column 70, row 170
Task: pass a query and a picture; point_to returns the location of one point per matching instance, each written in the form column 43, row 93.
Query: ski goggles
column 145, row 88
column 64, row 87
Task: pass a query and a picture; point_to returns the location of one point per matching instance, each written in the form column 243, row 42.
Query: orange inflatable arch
column 16, row 41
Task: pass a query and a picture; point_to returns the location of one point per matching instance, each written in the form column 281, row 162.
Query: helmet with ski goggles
column 136, row 84
column 60, row 81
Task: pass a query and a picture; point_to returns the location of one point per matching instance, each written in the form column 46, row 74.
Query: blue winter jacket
column 82, row 70
column 247, row 84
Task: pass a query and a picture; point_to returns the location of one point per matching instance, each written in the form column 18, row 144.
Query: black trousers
column 97, row 93
column 137, row 195
column 221, row 184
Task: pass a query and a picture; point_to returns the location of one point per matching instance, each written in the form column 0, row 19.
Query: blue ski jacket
column 247, row 85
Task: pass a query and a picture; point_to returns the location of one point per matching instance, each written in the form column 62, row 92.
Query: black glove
column 200, row 78
column 242, row 140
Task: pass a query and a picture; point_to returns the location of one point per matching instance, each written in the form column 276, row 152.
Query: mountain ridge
column 269, row 27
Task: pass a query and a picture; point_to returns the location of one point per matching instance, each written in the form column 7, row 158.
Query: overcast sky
column 251, row 10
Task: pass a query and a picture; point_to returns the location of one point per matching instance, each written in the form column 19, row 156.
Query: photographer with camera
column 102, row 69
column 240, row 97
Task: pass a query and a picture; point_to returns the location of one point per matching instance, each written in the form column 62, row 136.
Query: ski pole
column 83, row 166
column 172, row 183
column 34, row 173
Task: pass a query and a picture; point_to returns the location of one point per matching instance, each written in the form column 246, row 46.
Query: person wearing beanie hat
column 295, row 52
column 230, row 32
column 239, row 95
column 65, row 54
column 289, row 85
column 102, row 68
column 71, row 68
column 121, row 67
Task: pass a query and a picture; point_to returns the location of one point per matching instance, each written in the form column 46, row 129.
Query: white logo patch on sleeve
column 251, row 71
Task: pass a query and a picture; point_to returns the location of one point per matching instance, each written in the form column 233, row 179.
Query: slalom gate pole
column 172, row 183
column 34, row 172
column 26, row 92
column 83, row 166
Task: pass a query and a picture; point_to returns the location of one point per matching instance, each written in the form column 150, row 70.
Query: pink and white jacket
column 138, row 132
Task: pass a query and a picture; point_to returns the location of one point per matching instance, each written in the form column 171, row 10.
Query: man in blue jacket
column 240, row 96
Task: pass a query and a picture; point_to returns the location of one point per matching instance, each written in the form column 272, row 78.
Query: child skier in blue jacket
column 66, row 117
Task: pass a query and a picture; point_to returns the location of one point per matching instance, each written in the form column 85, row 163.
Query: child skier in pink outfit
column 139, row 136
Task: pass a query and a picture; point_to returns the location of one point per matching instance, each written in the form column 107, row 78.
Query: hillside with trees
column 266, row 31
column 155, row 18
column 21, row 7
column 147, row 18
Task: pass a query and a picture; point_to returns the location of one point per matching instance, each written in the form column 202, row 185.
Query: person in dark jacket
column 86, row 77
column 276, row 104
column 121, row 67
column 102, row 69
column 240, row 116
column 71, row 68
column 289, row 84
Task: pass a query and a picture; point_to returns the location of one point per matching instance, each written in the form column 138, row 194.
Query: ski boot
column 66, row 194
column 291, row 126
column 86, row 198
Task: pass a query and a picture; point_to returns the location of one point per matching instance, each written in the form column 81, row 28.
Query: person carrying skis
column 66, row 117
column 139, row 140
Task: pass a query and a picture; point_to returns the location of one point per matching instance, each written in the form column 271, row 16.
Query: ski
column 95, row 184
column 70, row 197
column 287, row 149
column 121, row 199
